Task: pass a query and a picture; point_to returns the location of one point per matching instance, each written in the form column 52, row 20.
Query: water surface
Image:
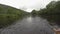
column 29, row 25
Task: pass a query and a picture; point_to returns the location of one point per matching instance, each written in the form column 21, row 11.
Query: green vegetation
column 51, row 12
column 9, row 14
column 34, row 13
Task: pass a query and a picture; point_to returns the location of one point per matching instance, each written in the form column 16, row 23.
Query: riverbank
column 29, row 25
column 9, row 14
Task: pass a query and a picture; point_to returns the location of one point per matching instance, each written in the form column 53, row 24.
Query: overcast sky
column 27, row 5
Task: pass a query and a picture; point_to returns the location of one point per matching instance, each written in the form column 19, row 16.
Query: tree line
column 10, row 14
column 51, row 12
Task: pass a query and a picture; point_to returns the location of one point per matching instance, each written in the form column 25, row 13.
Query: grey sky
column 27, row 5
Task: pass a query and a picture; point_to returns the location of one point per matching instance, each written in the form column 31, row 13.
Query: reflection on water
column 29, row 20
column 29, row 25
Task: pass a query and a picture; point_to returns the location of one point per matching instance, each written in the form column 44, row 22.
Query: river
column 29, row 25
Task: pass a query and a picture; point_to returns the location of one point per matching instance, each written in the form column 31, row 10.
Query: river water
column 29, row 25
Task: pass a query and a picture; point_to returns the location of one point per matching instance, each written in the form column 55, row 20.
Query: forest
column 51, row 12
column 10, row 14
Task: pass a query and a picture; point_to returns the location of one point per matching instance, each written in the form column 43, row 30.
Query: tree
column 34, row 13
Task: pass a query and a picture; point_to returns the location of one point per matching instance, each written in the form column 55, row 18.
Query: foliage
column 51, row 12
column 34, row 13
column 9, row 14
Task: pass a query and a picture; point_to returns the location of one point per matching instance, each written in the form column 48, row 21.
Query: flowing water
column 29, row 25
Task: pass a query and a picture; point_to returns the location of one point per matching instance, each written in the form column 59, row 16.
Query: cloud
column 26, row 4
